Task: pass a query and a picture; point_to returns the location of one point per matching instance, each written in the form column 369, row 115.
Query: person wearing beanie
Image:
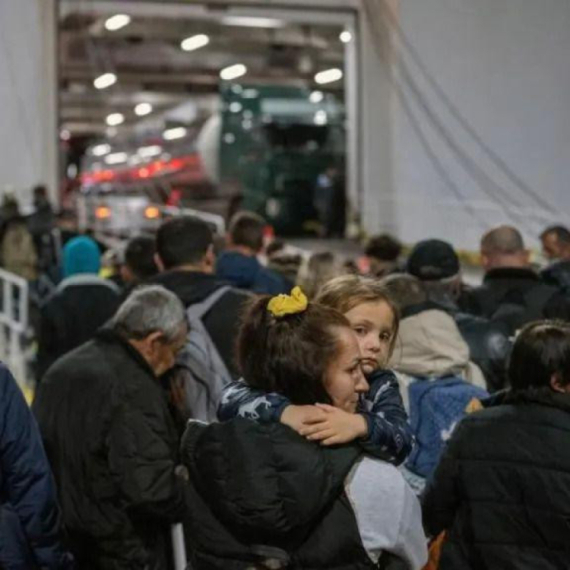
column 436, row 264
column 80, row 304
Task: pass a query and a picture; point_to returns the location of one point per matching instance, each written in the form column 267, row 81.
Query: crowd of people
column 294, row 411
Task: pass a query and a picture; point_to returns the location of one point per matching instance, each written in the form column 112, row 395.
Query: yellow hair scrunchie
column 283, row 305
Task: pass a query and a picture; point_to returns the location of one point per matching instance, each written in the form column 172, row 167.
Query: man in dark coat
column 185, row 256
column 29, row 516
column 79, row 305
column 111, row 440
column 512, row 293
column 502, row 488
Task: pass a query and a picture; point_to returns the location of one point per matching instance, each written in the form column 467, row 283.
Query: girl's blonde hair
column 348, row 291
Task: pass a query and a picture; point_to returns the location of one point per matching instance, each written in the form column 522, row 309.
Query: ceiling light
column 328, row 76
column 236, row 107
column 101, row 150
column 116, row 158
column 195, row 42
column 117, row 22
column 143, row 109
column 233, row 72
column 175, row 133
column 320, row 118
column 252, row 22
column 115, row 119
column 250, row 94
column 150, row 151
column 345, row 37
column 105, row 80
column 316, row 97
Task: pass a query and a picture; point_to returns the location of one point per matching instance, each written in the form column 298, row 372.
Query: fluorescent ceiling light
column 101, row 150
column 316, row 97
column 143, row 109
column 328, row 76
column 236, row 107
column 115, row 119
column 320, row 118
column 150, row 151
column 195, row 42
column 345, row 37
column 175, row 133
column 117, row 22
column 105, row 80
column 252, row 22
column 233, row 72
column 250, row 94
column 116, row 158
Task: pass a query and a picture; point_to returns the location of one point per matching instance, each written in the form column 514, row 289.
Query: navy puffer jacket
column 29, row 516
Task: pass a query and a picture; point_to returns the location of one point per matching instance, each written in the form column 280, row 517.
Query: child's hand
column 335, row 427
column 299, row 417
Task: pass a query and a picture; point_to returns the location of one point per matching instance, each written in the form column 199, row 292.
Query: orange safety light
column 152, row 213
column 103, row 213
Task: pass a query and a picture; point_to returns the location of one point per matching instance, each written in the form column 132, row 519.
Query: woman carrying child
column 263, row 496
column 381, row 424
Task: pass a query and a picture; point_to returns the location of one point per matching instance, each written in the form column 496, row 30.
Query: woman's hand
column 299, row 417
column 335, row 427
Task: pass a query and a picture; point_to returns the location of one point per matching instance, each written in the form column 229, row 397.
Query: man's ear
column 556, row 384
column 159, row 263
column 526, row 256
column 210, row 257
column 126, row 274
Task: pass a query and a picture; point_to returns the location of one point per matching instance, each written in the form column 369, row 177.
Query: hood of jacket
column 264, row 481
column 430, row 344
column 241, row 270
column 189, row 286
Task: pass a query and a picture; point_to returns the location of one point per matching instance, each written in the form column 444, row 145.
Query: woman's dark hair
column 541, row 351
column 289, row 355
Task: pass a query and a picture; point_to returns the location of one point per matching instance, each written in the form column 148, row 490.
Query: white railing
column 14, row 324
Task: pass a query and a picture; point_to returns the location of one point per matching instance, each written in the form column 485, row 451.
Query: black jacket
column 113, row 449
column 502, row 488
column 263, row 492
column 222, row 322
column 72, row 315
column 515, row 297
column 558, row 275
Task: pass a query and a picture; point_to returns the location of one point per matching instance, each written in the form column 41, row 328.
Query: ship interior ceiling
column 140, row 86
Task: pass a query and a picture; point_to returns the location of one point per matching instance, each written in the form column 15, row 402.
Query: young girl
column 381, row 424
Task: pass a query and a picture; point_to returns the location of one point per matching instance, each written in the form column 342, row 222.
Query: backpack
column 200, row 370
column 436, row 407
column 516, row 308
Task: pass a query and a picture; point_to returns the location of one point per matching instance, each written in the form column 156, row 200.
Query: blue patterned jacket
column 389, row 435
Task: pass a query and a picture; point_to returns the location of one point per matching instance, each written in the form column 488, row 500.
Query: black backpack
column 514, row 308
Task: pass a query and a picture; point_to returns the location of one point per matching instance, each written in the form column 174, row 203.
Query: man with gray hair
column 110, row 437
column 512, row 292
